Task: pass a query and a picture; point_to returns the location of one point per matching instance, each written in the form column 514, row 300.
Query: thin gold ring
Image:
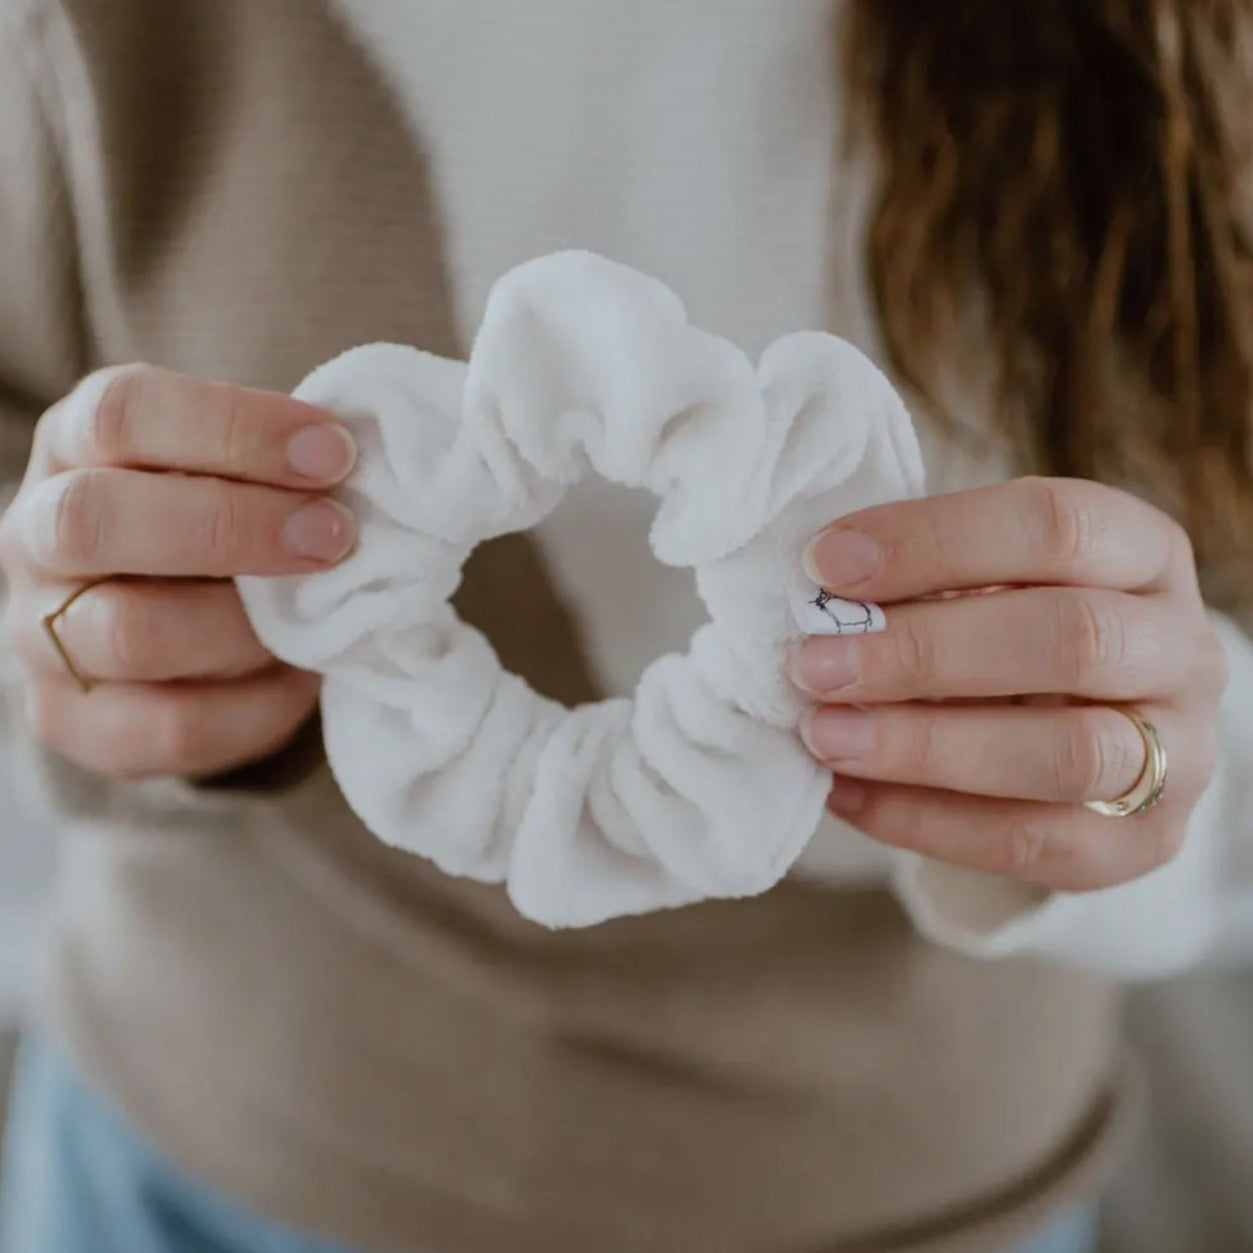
column 81, row 677
column 1147, row 790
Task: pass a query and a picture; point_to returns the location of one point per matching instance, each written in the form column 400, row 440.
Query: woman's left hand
column 1089, row 595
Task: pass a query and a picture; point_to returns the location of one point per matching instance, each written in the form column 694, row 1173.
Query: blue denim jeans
column 77, row 1179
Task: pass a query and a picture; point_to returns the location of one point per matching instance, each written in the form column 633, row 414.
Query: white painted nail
column 819, row 613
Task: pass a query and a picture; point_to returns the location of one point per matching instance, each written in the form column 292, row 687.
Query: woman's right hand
column 157, row 490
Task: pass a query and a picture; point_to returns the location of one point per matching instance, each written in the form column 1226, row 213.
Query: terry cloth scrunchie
column 699, row 786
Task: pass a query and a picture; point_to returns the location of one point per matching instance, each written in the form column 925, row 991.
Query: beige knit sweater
column 331, row 1032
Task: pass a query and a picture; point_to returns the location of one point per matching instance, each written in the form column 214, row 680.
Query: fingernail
column 848, row 797
column 817, row 612
column 822, row 667
column 834, row 735
column 322, row 530
column 322, row 453
column 837, row 559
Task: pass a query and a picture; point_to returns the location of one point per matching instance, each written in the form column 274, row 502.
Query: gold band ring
column 1147, row 790
column 85, row 681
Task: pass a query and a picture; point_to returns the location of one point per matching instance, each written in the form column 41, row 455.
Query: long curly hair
column 1064, row 191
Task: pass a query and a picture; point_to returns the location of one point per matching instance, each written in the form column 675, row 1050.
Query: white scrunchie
column 699, row 786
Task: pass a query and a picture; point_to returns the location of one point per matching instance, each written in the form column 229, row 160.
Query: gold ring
column 1147, row 790
column 85, row 681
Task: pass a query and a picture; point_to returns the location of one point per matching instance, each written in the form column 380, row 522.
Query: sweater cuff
column 981, row 915
column 1152, row 928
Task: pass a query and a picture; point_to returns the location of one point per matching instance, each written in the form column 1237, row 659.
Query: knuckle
column 916, row 751
column 178, row 736
column 110, row 421
column 874, row 814
column 947, row 552
column 1102, row 753
column 81, row 520
column 1063, row 519
column 225, row 527
column 1088, row 636
column 127, row 628
column 1081, row 760
column 1025, row 850
column 236, row 431
column 915, row 657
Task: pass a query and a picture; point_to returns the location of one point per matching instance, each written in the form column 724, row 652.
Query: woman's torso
column 337, row 1034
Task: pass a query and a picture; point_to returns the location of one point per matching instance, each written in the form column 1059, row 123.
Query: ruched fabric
column 698, row 786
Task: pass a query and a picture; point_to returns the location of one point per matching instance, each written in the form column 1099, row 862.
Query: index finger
column 1060, row 532
column 145, row 418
